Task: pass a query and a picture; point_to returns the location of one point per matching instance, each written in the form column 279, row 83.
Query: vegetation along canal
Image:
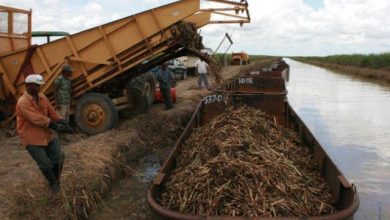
column 350, row 118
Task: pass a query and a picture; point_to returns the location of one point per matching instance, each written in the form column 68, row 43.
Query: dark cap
column 67, row 68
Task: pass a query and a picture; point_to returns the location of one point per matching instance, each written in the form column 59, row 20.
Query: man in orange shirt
column 35, row 116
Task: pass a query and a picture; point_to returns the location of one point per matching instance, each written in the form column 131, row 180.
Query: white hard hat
column 34, row 78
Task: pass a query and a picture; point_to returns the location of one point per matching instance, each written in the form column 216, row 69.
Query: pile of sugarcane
column 242, row 164
column 189, row 35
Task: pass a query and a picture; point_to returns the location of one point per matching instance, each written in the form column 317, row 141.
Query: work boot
column 51, row 179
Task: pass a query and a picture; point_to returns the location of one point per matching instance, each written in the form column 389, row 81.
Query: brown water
column 351, row 119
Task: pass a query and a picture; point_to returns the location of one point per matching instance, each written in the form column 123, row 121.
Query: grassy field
column 375, row 61
column 372, row 66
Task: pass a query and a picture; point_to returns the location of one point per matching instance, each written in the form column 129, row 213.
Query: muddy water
column 351, row 119
column 127, row 200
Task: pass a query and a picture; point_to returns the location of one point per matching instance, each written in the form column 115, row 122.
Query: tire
column 140, row 93
column 149, row 88
column 138, row 103
column 95, row 113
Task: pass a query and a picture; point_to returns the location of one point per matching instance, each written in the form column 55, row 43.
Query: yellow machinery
column 14, row 37
column 109, row 60
column 240, row 58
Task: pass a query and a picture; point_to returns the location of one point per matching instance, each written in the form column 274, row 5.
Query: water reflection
column 351, row 119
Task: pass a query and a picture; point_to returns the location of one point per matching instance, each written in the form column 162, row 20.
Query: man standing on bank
column 63, row 92
column 166, row 80
column 202, row 73
column 35, row 116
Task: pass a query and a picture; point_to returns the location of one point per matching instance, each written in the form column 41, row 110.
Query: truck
column 240, row 58
column 189, row 63
column 178, row 68
column 110, row 61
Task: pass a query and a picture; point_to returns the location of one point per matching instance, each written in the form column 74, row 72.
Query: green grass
column 375, row 61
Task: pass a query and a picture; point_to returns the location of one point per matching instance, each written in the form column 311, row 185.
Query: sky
column 278, row 27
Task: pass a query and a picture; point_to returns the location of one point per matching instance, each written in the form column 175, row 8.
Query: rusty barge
column 265, row 90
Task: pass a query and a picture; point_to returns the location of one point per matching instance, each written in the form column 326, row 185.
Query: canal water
column 351, row 119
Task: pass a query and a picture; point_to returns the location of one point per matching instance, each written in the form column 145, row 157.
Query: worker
column 202, row 73
column 63, row 92
column 166, row 80
column 35, row 116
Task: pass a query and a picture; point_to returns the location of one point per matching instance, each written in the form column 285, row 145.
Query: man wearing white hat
column 35, row 116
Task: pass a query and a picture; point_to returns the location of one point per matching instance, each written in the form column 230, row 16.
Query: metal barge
column 274, row 103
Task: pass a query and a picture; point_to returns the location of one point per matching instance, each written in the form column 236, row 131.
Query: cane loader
column 110, row 61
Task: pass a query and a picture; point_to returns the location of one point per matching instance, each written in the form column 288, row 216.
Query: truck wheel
column 149, row 88
column 138, row 103
column 95, row 113
column 140, row 93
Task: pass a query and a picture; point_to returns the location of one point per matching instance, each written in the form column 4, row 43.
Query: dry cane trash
column 242, row 164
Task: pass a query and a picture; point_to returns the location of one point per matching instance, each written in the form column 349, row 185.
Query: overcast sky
column 278, row 27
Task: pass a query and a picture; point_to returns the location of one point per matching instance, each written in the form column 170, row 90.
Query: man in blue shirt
column 166, row 79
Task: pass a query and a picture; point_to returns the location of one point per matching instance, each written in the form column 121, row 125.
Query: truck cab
column 240, row 58
column 178, row 68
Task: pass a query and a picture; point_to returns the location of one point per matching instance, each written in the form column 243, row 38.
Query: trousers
column 47, row 156
column 166, row 94
column 202, row 77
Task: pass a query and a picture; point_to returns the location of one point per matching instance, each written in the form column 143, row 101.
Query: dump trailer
column 240, row 58
column 110, row 61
